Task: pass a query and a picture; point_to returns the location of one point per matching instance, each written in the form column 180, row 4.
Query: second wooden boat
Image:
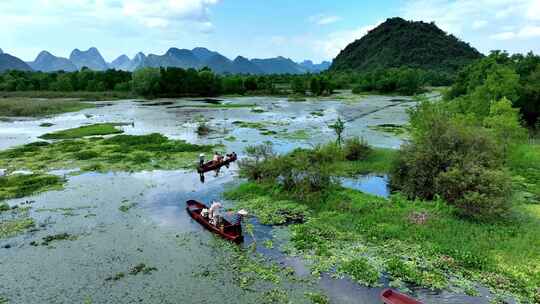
column 213, row 165
column 389, row 296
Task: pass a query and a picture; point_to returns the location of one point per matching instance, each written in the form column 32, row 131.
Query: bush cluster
column 455, row 159
column 303, row 171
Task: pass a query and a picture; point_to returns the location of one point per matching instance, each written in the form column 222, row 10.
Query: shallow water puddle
column 371, row 184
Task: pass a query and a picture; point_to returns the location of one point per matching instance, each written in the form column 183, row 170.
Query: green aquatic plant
column 361, row 271
column 296, row 135
column 12, row 227
column 90, row 130
column 19, row 185
column 4, row 207
column 317, row 298
column 47, row 240
column 398, row 130
column 118, row 153
column 273, row 213
column 118, row 276
column 141, row 268
column 126, row 206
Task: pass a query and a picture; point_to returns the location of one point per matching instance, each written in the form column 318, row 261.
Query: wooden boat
column 229, row 231
column 212, row 165
column 389, row 296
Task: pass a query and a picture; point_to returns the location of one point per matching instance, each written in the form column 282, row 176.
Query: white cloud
column 162, row 13
column 457, row 16
column 323, row 19
column 150, row 13
column 332, row 44
column 524, row 33
column 503, row 36
column 479, row 24
column 533, row 11
column 529, row 32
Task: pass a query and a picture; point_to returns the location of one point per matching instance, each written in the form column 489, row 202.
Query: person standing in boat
column 216, row 157
column 214, row 213
column 201, row 159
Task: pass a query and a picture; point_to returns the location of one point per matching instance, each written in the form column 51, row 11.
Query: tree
column 298, row 86
column 315, row 86
column 146, row 81
column 338, row 127
column 529, row 101
column 504, row 122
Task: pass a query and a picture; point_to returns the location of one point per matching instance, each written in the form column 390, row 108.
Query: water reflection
column 370, row 184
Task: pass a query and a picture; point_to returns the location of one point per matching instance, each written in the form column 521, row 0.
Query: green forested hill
column 397, row 43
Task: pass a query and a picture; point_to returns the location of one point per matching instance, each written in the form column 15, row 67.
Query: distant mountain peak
column 1, row 52
column 196, row 58
column 8, row 62
column 90, row 58
column 47, row 62
column 44, row 54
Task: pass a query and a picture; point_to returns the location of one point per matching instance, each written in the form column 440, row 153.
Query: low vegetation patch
column 49, row 239
column 141, row 268
column 12, row 227
column 84, row 131
column 18, row 185
column 269, row 212
column 118, row 153
column 26, row 107
column 126, row 206
column 398, row 130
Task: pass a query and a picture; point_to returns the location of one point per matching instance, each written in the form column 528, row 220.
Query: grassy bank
column 412, row 243
column 80, row 95
column 24, row 107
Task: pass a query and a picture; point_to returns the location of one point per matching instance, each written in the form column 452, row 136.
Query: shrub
column 455, row 159
column 202, row 128
column 251, row 166
column 477, row 192
column 356, row 149
column 297, row 172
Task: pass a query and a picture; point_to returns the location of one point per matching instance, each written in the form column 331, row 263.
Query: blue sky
column 300, row 30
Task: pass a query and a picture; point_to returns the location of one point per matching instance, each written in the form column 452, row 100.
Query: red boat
column 389, row 296
column 214, row 165
column 228, row 231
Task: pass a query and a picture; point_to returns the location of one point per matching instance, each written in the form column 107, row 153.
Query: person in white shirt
column 214, row 212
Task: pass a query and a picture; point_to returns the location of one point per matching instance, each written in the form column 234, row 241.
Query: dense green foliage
column 178, row 82
column 515, row 77
column 403, row 80
column 84, row 80
column 398, row 43
column 457, row 158
column 303, row 172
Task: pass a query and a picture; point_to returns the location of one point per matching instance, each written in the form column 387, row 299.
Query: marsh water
column 191, row 263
